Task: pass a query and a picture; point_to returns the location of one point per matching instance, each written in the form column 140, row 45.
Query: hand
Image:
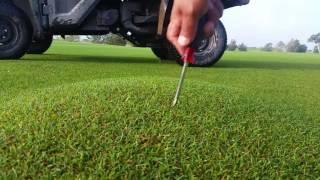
column 184, row 19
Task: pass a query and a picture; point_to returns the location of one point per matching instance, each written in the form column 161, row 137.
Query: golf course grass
column 97, row 111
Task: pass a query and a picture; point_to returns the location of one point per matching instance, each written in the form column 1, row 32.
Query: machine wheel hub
column 5, row 32
column 204, row 44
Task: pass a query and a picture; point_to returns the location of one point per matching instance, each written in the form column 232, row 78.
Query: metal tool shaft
column 189, row 56
column 179, row 87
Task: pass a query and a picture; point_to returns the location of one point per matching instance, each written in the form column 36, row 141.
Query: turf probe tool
column 189, row 58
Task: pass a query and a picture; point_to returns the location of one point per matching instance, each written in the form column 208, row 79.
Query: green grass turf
column 85, row 110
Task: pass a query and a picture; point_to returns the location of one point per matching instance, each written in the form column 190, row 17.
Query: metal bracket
column 74, row 17
column 164, row 7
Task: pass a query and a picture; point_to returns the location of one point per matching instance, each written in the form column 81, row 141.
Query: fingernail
column 183, row 41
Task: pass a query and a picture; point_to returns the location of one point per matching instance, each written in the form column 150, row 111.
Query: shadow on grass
column 266, row 65
column 273, row 65
column 93, row 59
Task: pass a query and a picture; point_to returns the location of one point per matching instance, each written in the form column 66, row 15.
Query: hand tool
column 189, row 58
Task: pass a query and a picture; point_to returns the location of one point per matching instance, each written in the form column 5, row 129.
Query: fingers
column 220, row 7
column 183, row 25
column 173, row 34
column 188, row 30
column 215, row 12
column 181, row 32
column 209, row 29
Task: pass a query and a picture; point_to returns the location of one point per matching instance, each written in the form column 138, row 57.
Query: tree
column 96, row 39
column 242, row 47
column 294, row 45
column 315, row 39
column 233, row 45
column 72, row 38
column 302, row 48
column 56, row 37
column 112, row 39
column 268, row 47
column 281, row 46
column 316, row 50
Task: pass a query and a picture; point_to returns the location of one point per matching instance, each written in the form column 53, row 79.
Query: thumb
column 188, row 31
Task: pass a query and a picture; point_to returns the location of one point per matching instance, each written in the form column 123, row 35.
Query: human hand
column 184, row 20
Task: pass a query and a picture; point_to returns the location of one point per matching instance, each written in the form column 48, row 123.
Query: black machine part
column 209, row 51
column 40, row 46
column 15, row 31
column 32, row 11
column 136, row 16
column 130, row 19
column 107, row 17
column 70, row 13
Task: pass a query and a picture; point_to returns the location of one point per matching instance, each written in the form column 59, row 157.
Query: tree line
column 293, row 45
column 112, row 39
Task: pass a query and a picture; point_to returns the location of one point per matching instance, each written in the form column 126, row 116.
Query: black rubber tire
column 16, row 30
column 160, row 52
column 212, row 53
column 40, row 46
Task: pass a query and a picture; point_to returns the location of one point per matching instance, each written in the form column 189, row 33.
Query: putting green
column 92, row 114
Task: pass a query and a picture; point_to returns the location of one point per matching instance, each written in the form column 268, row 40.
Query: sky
column 265, row 21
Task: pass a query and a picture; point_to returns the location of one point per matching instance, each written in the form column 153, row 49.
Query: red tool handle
column 189, row 53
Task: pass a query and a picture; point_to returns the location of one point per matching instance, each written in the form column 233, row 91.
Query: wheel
column 210, row 51
column 160, row 52
column 15, row 31
column 40, row 46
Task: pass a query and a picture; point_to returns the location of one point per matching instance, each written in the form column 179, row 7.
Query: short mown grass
column 84, row 110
